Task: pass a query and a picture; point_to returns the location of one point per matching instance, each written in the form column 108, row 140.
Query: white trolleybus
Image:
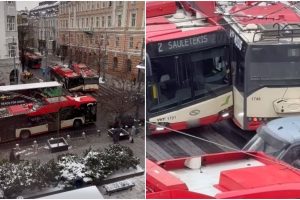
column 265, row 38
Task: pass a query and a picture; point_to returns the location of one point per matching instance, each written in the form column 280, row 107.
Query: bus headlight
column 224, row 115
column 159, row 128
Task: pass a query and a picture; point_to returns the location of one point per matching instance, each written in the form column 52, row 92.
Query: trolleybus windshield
column 178, row 79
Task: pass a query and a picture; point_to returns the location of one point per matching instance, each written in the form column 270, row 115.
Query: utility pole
column 69, row 50
column 15, row 70
column 105, row 56
column 46, row 46
column 139, row 84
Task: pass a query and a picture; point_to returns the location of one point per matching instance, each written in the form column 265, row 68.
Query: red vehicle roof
column 158, row 8
column 19, row 109
column 54, row 104
column 160, row 28
column 32, row 55
column 269, row 14
column 64, row 71
column 84, row 70
column 224, row 175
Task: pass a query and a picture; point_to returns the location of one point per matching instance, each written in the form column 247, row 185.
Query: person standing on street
column 131, row 134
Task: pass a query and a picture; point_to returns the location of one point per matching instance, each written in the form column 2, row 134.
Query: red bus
column 89, row 76
column 28, row 93
column 25, row 120
column 67, row 77
column 33, row 60
column 188, row 71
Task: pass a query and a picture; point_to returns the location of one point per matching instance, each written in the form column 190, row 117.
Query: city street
column 79, row 143
column 175, row 145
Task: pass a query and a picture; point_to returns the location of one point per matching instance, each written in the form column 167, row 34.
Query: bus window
column 209, row 71
column 238, row 64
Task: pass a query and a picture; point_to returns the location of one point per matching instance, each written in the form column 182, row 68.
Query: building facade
column 107, row 35
column 43, row 19
column 9, row 58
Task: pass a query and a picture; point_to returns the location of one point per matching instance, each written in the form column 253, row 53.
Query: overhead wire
column 274, row 160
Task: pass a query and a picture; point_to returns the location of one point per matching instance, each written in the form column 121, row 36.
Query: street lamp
column 15, row 70
column 43, row 14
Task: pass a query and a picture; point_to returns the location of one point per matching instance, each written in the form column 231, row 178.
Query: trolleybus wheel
column 77, row 123
column 25, row 134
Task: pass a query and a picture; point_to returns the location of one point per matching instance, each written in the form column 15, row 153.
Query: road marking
column 156, row 151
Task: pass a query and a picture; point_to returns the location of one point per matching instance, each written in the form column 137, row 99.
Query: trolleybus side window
column 238, row 64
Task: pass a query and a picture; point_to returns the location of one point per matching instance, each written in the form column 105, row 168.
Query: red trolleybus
column 67, row 77
column 89, row 76
column 25, row 120
column 188, row 82
column 265, row 38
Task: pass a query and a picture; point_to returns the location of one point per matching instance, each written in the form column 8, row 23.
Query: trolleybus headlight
column 225, row 114
column 254, row 119
column 159, row 128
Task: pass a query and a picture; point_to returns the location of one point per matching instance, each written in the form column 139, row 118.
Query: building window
column 131, row 42
column 119, row 20
column 10, row 3
column 92, row 22
column 11, row 50
column 120, row 3
column 11, row 23
column 109, row 21
column 97, row 22
column 103, row 4
column 87, row 22
column 129, row 64
column 115, row 62
column 82, row 23
column 110, row 4
column 133, row 19
column 117, row 41
column 103, row 22
column 133, row 2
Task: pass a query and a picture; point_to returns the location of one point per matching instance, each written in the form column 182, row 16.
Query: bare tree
column 119, row 96
column 25, row 34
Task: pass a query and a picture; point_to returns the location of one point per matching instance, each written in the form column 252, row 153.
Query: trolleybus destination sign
column 186, row 44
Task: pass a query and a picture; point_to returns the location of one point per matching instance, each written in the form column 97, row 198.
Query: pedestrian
column 131, row 133
column 44, row 71
column 134, row 130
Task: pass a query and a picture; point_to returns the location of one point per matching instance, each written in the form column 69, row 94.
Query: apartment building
column 103, row 34
column 9, row 58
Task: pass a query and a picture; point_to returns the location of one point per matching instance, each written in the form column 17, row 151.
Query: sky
column 29, row 4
